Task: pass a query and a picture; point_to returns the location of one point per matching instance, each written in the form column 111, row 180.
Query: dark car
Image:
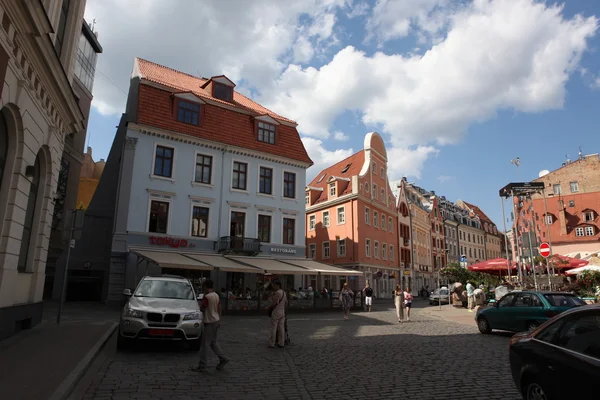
column 524, row 310
column 560, row 359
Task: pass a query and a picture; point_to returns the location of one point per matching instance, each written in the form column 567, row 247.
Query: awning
column 323, row 269
column 224, row 264
column 167, row 259
column 272, row 266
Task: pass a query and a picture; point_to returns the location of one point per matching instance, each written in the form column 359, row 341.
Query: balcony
column 406, row 242
column 234, row 244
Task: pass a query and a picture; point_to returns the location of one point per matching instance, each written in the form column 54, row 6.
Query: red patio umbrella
column 493, row 266
column 564, row 262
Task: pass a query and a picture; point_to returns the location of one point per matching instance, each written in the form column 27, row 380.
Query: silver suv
column 162, row 307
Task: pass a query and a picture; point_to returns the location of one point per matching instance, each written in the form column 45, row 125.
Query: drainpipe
column 412, row 248
column 221, row 195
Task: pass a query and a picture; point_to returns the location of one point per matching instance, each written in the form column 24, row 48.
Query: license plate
column 161, row 332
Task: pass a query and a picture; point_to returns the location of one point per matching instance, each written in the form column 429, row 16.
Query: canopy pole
column 505, row 237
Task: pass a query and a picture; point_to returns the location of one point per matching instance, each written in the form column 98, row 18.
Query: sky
column 457, row 88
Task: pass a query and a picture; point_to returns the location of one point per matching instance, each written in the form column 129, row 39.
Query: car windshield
column 564, row 300
column 444, row 292
column 165, row 289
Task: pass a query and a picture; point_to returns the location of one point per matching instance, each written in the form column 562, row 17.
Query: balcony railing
column 406, row 242
column 234, row 244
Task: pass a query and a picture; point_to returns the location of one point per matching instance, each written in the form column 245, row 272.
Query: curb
column 66, row 387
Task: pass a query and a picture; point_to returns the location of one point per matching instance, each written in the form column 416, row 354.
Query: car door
column 499, row 315
column 527, row 309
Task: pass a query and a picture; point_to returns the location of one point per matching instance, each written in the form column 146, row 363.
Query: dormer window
column 321, row 178
column 588, row 216
column 222, row 92
column 332, row 191
column 188, row 112
column 266, row 132
column 346, row 168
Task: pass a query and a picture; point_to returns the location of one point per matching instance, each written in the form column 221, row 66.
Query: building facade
column 569, row 218
column 422, row 238
column 404, row 232
column 38, row 113
column 352, row 220
column 492, row 238
column 91, row 172
column 438, row 239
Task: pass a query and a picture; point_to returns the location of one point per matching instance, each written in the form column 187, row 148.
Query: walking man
column 211, row 309
column 470, row 296
column 368, row 291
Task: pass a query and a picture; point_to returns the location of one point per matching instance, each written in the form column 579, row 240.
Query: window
column 289, row 228
column 507, row 300
column 264, row 228
column 392, row 253
column 375, row 190
column 163, row 161
column 266, row 133
column 326, row 219
column 30, row 215
column 326, row 250
column 384, row 251
column 390, row 225
column 588, row 216
column 382, row 194
column 574, row 187
column 589, row 231
column 571, row 203
column 367, row 215
column 367, row 188
column 239, row 177
column 579, row 231
column 556, row 188
column 376, row 250
column 374, row 168
column 312, row 222
column 341, row 248
column 159, row 216
column 85, row 63
column 549, row 220
column 527, row 300
column 382, row 172
column 341, row 215
column 203, row 169
column 383, row 221
column 321, row 178
column 307, row 198
column 200, row 221
column 375, row 218
column 346, row 168
column 312, row 251
column 548, row 334
column 368, row 247
column 188, row 112
column 580, row 334
column 332, row 189
column 564, row 300
column 222, row 92
column 289, row 185
column 265, row 181
column 62, row 24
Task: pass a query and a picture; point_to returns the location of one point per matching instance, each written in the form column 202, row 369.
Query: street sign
column 521, row 189
column 544, row 250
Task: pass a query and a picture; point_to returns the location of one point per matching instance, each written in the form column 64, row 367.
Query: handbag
column 270, row 309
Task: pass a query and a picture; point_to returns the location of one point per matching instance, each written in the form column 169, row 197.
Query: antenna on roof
column 93, row 24
column 580, row 153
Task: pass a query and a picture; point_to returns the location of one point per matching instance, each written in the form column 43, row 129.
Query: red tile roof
column 479, row 212
column 355, row 163
column 218, row 124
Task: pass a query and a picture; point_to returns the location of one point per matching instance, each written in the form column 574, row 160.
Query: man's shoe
column 222, row 364
column 198, row 369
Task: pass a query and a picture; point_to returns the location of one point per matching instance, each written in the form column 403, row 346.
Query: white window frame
column 591, row 214
column 376, row 249
column 266, row 214
column 312, row 222
column 375, row 219
column 579, row 231
column 326, row 225
column 339, row 243
column 375, row 191
column 374, row 168
column 332, row 189
column 198, row 203
column 390, row 225
column 549, row 219
column 337, row 215
column 367, row 188
column 382, row 172
column 258, row 192
column 384, row 251
column 368, row 247
column 307, row 199
column 383, row 222
column 169, row 145
column 155, row 197
column 212, row 169
column 391, row 253
column 231, row 188
column 241, row 210
column 382, row 194
column 323, row 249
column 312, row 251
column 574, row 184
column 283, row 185
column 296, row 238
column 590, row 231
column 367, row 216
column 555, row 187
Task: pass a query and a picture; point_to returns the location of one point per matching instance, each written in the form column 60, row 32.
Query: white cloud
column 446, row 178
column 322, row 157
column 341, row 136
column 303, row 50
column 408, row 161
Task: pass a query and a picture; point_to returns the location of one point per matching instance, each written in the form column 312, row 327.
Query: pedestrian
column 368, row 296
column 211, row 310
column 346, row 300
column 277, row 313
column 408, row 298
column 470, row 296
column 399, row 302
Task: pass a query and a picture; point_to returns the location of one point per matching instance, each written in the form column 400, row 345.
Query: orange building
column 88, row 179
column 351, row 219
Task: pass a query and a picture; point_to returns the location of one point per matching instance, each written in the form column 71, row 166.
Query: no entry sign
column 544, row 250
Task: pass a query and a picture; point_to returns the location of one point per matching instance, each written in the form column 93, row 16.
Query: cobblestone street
column 371, row 355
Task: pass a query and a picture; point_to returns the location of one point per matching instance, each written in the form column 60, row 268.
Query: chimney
column 562, row 218
column 404, row 179
column 89, row 151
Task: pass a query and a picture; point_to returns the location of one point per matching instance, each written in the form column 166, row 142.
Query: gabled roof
column 354, row 164
column 181, row 81
column 482, row 216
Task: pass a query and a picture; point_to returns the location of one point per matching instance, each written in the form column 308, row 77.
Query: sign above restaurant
column 521, row 189
column 169, row 241
column 283, row 250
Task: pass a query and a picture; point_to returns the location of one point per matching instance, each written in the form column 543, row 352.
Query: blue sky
column 457, row 88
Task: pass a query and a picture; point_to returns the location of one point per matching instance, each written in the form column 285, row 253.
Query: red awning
column 564, row 262
column 496, row 265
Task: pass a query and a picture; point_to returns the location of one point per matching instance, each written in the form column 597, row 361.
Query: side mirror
column 127, row 292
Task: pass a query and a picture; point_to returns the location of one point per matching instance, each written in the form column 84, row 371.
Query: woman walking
column 398, row 302
column 277, row 313
column 408, row 297
column 346, row 300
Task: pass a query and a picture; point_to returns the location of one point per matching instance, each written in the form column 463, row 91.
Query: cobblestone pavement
column 371, row 355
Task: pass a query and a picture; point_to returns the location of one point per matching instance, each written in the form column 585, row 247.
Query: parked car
column 437, row 294
column 162, row 307
column 560, row 359
column 524, row 310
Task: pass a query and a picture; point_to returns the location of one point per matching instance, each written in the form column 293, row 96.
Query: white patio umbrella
column 577, row 271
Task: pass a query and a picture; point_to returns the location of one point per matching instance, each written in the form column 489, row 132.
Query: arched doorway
column 3, row 145
column 32, row 202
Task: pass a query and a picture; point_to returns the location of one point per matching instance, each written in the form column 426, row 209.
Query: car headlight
column 130, row 312
column 192, row 316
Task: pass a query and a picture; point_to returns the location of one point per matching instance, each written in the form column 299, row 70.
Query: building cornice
column 330, row 203
column 191, row 140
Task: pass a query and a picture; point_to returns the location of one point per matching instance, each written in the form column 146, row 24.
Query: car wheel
column 532, row 325
column 534, row 391
column 483, row 325
column 194, row 344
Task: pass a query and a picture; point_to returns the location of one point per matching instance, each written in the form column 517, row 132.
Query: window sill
column 204, row 185
column 265, row 195
column 283, row 198
column 162, row 178
column 232, row 190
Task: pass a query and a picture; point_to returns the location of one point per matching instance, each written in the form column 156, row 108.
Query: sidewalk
column 46, row 362
column 450, row 313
